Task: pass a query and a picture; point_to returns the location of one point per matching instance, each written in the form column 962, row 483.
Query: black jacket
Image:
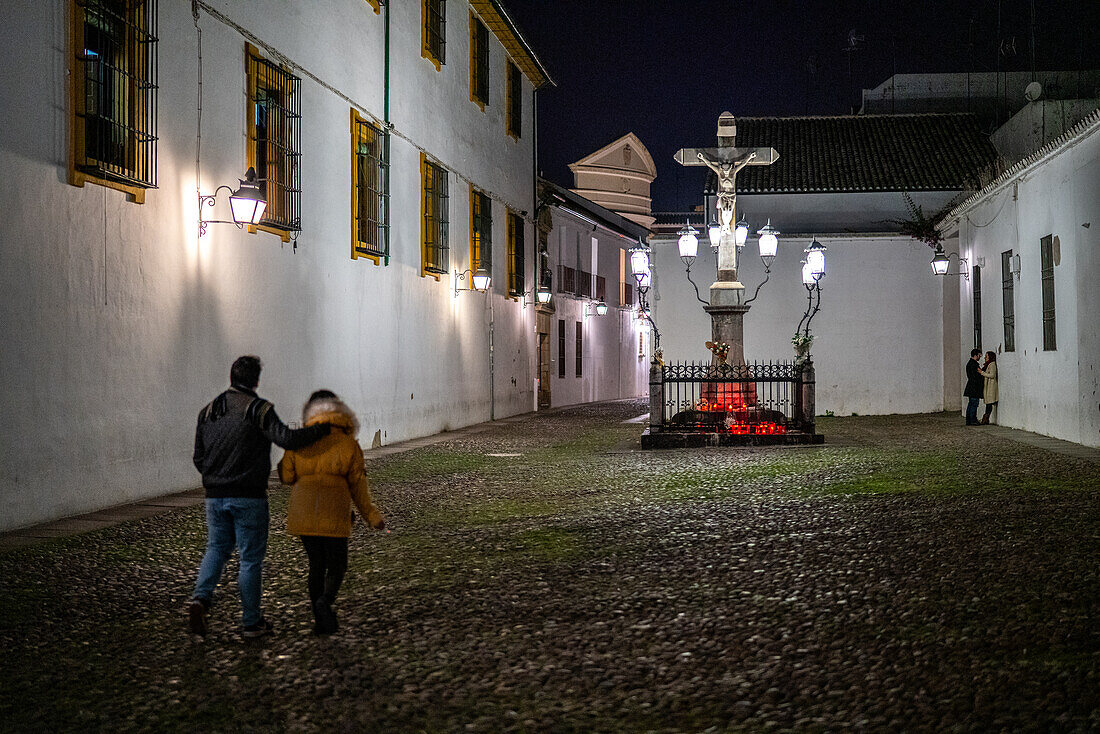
column 975, row 383
column 233, row 443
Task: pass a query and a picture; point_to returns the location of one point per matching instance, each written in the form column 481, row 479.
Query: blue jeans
column 240, row 521
column 972, row 410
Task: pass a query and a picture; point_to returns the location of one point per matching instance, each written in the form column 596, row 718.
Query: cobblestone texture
column 910, row 574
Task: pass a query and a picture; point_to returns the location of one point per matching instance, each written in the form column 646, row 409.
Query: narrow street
column 544, row 574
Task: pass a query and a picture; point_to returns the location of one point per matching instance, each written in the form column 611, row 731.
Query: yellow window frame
column 252, row 85
column 77, row 129
column 513, row 127
column 376, row 4
column 358, row 138
column 426, row 49
column 475, row 61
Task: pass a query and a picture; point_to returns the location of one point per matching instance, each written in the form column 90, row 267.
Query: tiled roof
column 926, row 152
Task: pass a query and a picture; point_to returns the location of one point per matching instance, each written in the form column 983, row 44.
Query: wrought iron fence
column 757, row 398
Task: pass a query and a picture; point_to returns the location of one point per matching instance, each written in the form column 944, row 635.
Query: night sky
column 658, row 69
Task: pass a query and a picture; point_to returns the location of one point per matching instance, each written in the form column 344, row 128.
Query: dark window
column 515, row 101
column 567, row 283
column 1008, row 306
column 627, row 295
column 115, row 125
column 515, row 255
column 977, row 277
column 561, row 348
column 580, row 346
column 584, row 284
column 479, row 61
column 601, row 288
column 481, row 232
column 274, row 139
column 435, row 218
column 1050, row 332
column 435, row 30
column 370, row 148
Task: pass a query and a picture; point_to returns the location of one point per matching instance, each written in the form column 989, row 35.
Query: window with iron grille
column 1050, row 332
column 561, row 348
column 435, row 31
column 601, row 288
column 479, row 62
column 515, row 255
column 114, row 94
column 584, row 284
column 580, row 346
column 627, row 295
column 514, row 111
column 274, row 140
column 370, row 200
column 1008, row 304
column 434, row 226
column 481, row 231
column 977, row 280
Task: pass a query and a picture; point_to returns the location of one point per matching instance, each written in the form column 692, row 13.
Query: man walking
column 975, row 385
column 233, row 451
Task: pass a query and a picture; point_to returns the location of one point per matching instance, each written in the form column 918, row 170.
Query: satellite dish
column 1033, row 91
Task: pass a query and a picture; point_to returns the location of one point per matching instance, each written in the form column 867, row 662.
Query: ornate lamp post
column 639, row 268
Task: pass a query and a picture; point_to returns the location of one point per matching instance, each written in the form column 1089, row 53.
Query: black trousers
column 328, row 562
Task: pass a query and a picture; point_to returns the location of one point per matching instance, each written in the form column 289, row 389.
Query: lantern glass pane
column 481, row 281
column 639, row 261
column 689, row 245
column 816, row 260
column 741, row 234
column 769, row 244
column 807, row 274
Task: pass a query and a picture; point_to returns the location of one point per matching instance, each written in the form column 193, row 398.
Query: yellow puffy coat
column 327, row 477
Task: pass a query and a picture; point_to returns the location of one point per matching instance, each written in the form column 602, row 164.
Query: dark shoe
column 196, row 617
column 261, row 628
column 326, row 618
column 985, row 420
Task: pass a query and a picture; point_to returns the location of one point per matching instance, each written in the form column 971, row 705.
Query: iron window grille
column 479, row 61
column 584, row 284
column 370, row 159
column 1050, row 332
column 561, row 348
column 977, row 280
column 435, row 218
column 481, row 232
column 515, row 255
column 580, row 346
column 601, row 288
column 435, row 30
column 115, row 90
column 274, row 140
column 627, row 295
column 515, row 101
column 1008, row 304
column 567, row 282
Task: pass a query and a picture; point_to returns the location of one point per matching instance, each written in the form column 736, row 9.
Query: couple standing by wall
column 981, row 384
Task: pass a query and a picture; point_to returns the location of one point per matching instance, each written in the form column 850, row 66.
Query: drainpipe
column 492, row 396
column 386, row 120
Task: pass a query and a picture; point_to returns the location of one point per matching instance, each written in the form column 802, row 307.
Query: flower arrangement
column 720, row 350
column 800, row 340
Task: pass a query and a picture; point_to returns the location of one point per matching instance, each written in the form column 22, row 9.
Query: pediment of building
column 627, row 154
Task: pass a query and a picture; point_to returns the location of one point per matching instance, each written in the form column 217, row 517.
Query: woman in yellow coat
column 326, row 478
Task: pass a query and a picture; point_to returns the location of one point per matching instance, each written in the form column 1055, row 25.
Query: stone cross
column 727, row 308
column 726, row 160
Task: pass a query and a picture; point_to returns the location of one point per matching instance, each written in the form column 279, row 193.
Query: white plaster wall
column 1054, row 392
column 119, row 324
column 878, row 337
column 610, row 366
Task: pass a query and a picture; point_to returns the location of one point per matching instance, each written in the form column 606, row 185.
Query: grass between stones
column 560, row 576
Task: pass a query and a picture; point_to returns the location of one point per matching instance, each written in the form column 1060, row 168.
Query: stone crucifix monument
column 727, row 295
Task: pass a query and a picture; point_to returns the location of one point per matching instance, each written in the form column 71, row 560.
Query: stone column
column 809, row 400
column 656, row 396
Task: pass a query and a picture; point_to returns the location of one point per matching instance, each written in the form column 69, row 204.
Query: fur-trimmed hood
column 331, row 410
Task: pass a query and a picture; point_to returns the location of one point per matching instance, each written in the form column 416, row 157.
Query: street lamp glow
column 741, row 232
column 939, row 261
column 714, row 232
column 639, row 260
column 247, row 203
column 769, row 240
column 809, row 277
column 601, row 307
column 689, row 242
column 482, row 278
column 815, row 256
column 543, row 295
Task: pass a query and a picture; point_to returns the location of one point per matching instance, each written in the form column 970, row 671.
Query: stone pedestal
column 727, row 318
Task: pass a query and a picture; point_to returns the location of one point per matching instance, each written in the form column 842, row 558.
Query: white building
column 396, row 146
column 618, row 177
column 1031, row 242
column 591, row 344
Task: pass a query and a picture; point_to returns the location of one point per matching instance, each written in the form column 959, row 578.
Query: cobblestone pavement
column 910, row 574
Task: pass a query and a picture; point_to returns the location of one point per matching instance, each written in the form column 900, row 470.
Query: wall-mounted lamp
column 599, row 307
column 247, row 204
column 940, row 262
column 1014, row 265
column 480, row 279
